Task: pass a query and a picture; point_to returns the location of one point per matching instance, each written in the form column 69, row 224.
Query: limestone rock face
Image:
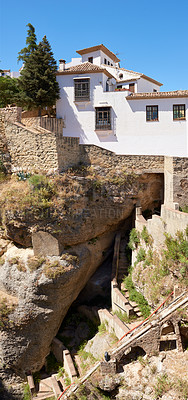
column 44, row 244
column 84, row 216
column 42, row 304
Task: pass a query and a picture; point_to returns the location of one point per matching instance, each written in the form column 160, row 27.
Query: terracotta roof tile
column 84, row 68
column 158, row 95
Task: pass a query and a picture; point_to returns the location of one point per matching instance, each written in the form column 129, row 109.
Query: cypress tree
column 37, row 82
column 31, row 42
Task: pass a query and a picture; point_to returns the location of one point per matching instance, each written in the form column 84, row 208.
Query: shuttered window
column 103, row 118
column 82, row 89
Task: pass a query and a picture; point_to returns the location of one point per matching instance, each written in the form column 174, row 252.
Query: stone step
column 43, row 396
column 133, row 304
column 139, row 314
column 45, row 385
column 136, row 309
column 55, row 386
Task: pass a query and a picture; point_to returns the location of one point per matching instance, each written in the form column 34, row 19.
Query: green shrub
column 146, row 237
column 26, row 392
column 102, row 328
column 134, row 239
column 184, row 208
column 141, row 256
column 136, row 296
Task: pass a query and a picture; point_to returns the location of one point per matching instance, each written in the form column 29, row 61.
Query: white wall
column 131, row 133
column 98, row 57
column 146, row 86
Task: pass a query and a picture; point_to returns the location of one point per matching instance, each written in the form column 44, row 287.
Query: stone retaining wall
column 47, row 151
column 31, row 150
column 119, row 302
column 114, row 324
column 91, row 154
column 63, row 356
column 170, row 221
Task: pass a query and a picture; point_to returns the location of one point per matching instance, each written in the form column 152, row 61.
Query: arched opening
column 167, row 328
column 133, row 355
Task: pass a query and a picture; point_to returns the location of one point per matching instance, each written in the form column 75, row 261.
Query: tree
column 31, row 42
column 38, row 85
column 8, row 91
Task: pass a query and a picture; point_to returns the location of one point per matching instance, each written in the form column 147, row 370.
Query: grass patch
column 53, row 269
column 162, row 386
column 34, row 263
column 87, row 359
column 124, row 317
column 103, row 328
column 5, row 310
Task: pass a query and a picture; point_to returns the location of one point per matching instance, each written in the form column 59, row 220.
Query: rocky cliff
column 82, row 210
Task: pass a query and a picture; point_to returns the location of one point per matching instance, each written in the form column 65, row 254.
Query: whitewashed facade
column 120, row 110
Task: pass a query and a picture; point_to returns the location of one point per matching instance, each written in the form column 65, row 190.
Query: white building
column 11, row 74
column 120, row 110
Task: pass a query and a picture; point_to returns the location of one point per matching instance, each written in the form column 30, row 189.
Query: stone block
column 108, row 367
column 44, row 244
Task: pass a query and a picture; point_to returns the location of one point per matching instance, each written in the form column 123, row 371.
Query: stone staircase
column 123, row 261
column 133, row 304
column 49, row 388
column 122, row 270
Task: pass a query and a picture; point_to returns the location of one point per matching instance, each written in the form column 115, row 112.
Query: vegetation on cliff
column 85, row 199
column 155, row 271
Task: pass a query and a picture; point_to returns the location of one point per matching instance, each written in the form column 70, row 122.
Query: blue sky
column 149, row 36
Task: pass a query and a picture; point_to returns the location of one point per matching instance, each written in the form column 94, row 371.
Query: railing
column 54, row 125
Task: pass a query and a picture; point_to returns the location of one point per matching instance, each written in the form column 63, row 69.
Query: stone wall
column 12, row 114
column 31, row 151
column 180, row 180
column 170, row 221
column 23, row 148
column 174, row 220
column 47, row 151
column 176, row 181
column 90, row 154
column 114, row 324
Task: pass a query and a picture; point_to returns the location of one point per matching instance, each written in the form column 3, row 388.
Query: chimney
column 62, row 65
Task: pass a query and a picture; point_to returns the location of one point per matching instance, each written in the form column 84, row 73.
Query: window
column 179, row 111
column 90, row 59
column 105, row 61
column 151, row 113
column 132, row 87
column 154, row 90
column 82, row 89
column 103, row 119
column 108, row 62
